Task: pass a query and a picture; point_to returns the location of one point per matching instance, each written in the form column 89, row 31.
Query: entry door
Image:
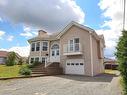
column 55, row 53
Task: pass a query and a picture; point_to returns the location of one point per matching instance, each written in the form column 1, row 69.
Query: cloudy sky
column 20, row 20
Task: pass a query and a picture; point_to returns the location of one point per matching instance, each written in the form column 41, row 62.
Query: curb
column 20, row 77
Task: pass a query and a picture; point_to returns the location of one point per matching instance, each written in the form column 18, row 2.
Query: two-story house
column 77, row 48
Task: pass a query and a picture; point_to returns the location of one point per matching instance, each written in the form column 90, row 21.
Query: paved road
column 57, row 85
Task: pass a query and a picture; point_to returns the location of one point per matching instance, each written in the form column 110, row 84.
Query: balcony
column 72, row 49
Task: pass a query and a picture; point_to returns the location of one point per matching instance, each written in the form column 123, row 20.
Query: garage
column 75, row 66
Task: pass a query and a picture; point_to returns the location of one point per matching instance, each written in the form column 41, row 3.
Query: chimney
column 42, row 33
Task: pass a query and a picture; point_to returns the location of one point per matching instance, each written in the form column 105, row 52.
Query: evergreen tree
column 121, row 55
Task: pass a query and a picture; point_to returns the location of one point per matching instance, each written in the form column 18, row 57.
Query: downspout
column 91, row 53
column 40, row 51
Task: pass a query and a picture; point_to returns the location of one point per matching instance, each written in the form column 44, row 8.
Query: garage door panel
column 73, row 67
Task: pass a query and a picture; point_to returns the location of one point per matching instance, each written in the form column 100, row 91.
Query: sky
column 21, row 19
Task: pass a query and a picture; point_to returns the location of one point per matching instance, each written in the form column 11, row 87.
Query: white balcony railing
column 72, row 49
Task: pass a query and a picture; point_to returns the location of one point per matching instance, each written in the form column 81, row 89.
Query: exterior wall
column 84, row 38
column 97, row 61
column 2, row 60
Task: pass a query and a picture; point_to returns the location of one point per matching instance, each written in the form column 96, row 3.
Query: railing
column 72, row 48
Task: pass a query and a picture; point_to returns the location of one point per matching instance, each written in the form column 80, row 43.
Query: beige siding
column 97, row 64
column 84, row 37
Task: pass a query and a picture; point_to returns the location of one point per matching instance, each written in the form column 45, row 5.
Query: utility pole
column 124, row 13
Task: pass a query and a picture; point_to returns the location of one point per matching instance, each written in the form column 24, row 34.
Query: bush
column 20, row 62
column 33, row 64
column 121, row 55
column 30, row 65
column 24, row 70
column 11, row 59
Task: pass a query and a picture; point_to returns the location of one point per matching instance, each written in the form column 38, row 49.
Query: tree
column 20, row 61
column 11, row 59
column 121, row 55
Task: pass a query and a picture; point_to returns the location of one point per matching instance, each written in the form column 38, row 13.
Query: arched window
column 55, row 46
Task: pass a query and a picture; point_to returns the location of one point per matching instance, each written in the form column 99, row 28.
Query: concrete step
column 38, row 72
column 34, row 75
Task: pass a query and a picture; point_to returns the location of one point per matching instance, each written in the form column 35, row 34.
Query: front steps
column 52, row 69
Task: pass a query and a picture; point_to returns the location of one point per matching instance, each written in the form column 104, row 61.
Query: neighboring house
column 4, row 55
column 77, row 48
column 110, row 64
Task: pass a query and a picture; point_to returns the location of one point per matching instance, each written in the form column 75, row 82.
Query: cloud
column 112, row 26
column 29, row 31
column 2, row 33
column 22, row 51
column 10, row 38
column 50, row 15
column 1, row 19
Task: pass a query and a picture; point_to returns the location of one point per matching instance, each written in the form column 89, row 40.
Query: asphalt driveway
column 58, row 85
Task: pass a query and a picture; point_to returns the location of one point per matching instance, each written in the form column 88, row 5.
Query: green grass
column 9, row 71
column 107, row 71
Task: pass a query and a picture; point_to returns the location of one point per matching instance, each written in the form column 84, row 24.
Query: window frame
column 33, row 47
column 31, row 60
column 36, row 58
column 37, row 46
column 44, row 48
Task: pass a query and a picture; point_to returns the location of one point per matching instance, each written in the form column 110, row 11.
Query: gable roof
column 3, row 53
column 90, row 30
column 57, row 35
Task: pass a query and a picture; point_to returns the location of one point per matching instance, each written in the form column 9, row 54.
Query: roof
column 57, row 35
column 109, row 60
column 3, row 53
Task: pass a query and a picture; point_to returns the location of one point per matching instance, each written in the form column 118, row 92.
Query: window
column 55, row 46
column 81, row 63
column 37, row 59
column 37, row 46
column 33, row 47
column 57, row 52
column 53, row 53
column 76, row 41
column 32, row 60
column 77, row 64
column 43, row 60
column 68, row 63
column 71, row 45
column 45, row 46
column 72, row 63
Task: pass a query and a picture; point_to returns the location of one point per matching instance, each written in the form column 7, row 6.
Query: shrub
column 20, row 62
column 11, row 59
column 121, row 55
column 24, row 70
column 30, row 65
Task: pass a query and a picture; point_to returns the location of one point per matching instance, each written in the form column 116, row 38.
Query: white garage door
column 75, row 66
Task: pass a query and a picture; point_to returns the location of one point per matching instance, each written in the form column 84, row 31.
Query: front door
column 55, row 53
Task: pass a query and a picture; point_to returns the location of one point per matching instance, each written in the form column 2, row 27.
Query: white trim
column 47, row 46
column 91, row 53
column 40, row 50
column 73, row 69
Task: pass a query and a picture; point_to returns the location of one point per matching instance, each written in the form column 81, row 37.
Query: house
column 77, row 49
column 110, row 64
column 4, row 56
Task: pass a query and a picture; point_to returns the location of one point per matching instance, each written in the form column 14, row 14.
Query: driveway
column 58, row 85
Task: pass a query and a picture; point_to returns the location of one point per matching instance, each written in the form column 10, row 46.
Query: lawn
column 108, row 71
column 9, row 71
